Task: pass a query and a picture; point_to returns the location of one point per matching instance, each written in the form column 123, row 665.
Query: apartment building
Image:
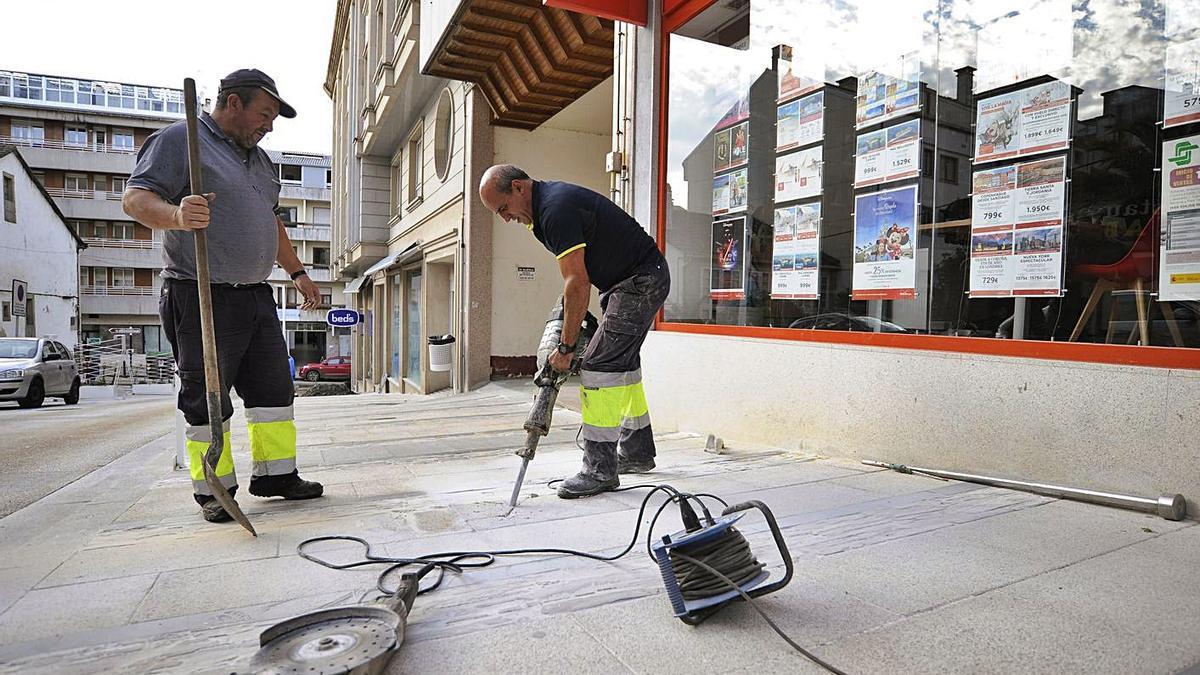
column 80, row 137
column 304, row 207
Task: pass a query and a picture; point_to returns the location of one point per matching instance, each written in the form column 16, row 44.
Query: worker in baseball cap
column 246, row 240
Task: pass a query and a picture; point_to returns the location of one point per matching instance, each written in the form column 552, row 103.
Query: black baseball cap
column 253, row 77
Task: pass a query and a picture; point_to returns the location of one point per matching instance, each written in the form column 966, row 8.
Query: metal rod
column 1169, row 506
column 212, row 373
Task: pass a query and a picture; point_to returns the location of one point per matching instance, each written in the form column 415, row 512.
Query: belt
column 221, row 284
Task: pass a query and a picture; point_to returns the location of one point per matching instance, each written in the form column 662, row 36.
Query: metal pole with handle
column 212, row 373
column 1168, row 506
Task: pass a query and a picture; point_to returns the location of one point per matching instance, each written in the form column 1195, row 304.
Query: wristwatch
column 297, row 274
column 566, row 349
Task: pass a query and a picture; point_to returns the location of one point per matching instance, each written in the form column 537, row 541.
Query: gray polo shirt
column 243, row 237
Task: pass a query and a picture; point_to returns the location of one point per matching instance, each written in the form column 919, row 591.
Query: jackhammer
column 549, row 381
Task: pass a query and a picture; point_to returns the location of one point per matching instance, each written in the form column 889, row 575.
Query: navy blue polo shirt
column 568, row 217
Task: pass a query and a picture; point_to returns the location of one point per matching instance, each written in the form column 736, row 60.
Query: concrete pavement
column 46, row 448
column 894, row 573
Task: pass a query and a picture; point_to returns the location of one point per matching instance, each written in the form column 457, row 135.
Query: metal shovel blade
column 226, row 500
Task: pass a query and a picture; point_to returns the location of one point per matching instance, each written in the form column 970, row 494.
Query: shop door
column 412, row 369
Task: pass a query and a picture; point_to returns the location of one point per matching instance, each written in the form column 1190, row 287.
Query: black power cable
column 701, row 576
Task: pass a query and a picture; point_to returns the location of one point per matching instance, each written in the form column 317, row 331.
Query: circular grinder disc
column 341, row 645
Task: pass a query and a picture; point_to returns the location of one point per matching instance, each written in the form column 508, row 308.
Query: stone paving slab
column 894, row 573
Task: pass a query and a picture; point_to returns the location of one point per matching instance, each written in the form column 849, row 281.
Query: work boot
column 583, row 485
column 212, row 510
column 626, row 465
column 288, row 486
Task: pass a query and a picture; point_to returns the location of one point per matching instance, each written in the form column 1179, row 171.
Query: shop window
column 941, row 181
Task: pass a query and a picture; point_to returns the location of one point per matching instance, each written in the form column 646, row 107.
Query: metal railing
column 84, row 194
column 55, row 144
column 116, row 290
column 103, row 362
column 122, row 243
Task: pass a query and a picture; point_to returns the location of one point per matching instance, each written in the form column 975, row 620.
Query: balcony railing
column 122, row 243
column 116, row 290
column 84, row 194
column 67, row 145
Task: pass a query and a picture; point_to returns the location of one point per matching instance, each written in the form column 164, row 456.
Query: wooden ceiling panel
column 530, row 61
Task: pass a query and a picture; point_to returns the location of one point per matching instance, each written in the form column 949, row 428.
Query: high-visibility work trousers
column 253, row 359
column 616, row 418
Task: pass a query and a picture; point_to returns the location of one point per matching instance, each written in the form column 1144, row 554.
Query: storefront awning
column 529, row 60
column 411, row 253
column 356, row 284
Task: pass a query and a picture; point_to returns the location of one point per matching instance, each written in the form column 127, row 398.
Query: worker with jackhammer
column 245, row 239
column 596, row 243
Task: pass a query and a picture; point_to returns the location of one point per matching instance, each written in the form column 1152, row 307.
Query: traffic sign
column 20, row 291
column 342, row 317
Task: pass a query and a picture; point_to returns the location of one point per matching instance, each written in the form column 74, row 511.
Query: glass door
column 412, row 368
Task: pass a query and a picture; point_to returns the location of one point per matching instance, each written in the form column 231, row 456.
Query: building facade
column 937, row 233
column 415, row 127
column 81, row 137
column 40, row 253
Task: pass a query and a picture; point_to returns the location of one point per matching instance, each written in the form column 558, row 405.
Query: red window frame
column 676, row 13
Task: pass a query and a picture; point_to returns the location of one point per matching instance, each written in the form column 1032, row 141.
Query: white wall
column 1116, row 428
column 569, row 147
column 39, row 250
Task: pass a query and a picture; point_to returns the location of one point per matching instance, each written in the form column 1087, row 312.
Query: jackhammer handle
column 779, row 542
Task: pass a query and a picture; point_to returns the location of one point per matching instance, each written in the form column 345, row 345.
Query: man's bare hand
column 192, row 213
column 307, row 288
column 561, row 362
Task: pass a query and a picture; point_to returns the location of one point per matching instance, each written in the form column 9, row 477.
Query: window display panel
column 1018, row 170
column 795, row 136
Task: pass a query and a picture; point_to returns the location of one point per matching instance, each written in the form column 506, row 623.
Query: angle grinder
column 356, row 639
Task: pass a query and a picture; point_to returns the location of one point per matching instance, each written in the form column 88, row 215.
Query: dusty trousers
column 616, row 418
column 253, row 359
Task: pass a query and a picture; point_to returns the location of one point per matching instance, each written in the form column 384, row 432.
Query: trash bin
column 441, row 352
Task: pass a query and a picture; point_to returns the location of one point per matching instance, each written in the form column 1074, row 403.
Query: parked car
column 33, row 368
column 330, row 368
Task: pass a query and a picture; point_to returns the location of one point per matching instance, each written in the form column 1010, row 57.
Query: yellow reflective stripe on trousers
column 273, row 447
column 197, row 449
column 607, row 409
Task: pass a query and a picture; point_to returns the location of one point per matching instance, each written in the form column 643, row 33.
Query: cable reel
column 706, row 567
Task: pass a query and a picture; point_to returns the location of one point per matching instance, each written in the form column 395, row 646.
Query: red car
column 330, row 368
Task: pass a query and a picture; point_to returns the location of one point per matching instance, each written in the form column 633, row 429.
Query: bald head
column 507, row 191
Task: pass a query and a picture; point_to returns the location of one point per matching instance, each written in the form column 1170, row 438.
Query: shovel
column 212, row 373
